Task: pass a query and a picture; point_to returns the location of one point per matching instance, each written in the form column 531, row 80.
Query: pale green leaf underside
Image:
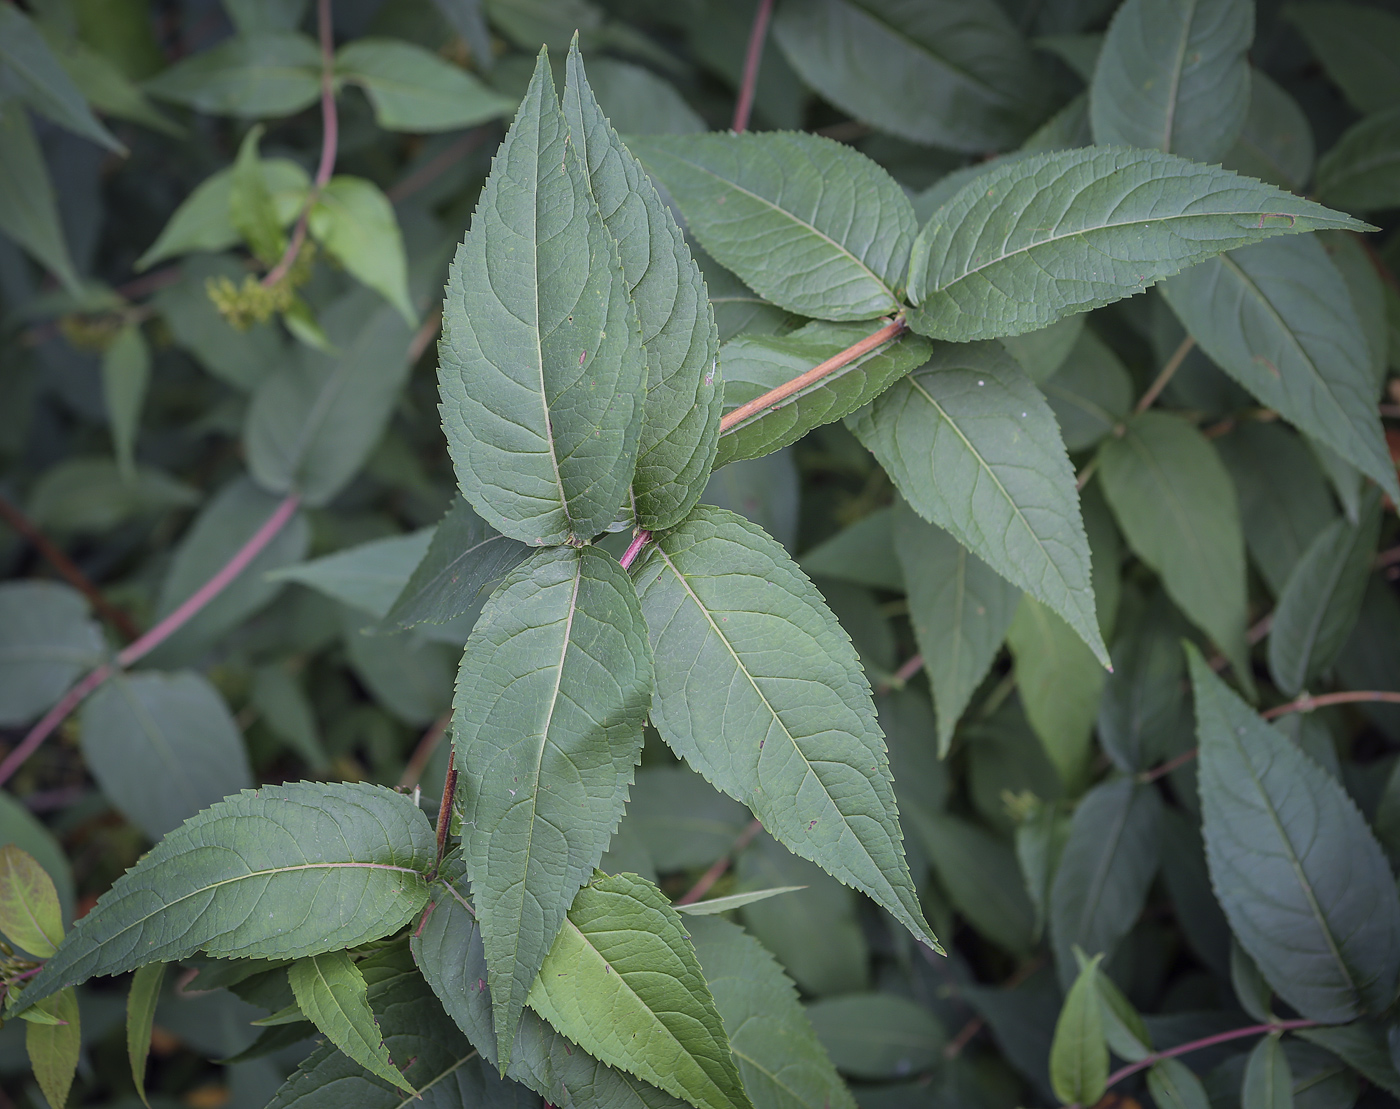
column 554, row 687
column 759, row 689
column 680, row 420
column 1303, row 882
column 974, row 448
column 623, row 982
column 278, row 872
column 809, row 224
column 540, row 362
column 733, row 901
column 1059, row 233
column 331, row 992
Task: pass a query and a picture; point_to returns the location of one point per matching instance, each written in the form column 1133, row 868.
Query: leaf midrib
column 1173, row 92
column 1335, row 569
column 1099, row 878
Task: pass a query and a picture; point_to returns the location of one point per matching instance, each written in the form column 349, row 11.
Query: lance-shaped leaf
column 1174, row 501
column 541, row 361
column 448, row 949
column 1278, row 317
column 28, row 206
column 809, row 224
column 1302, row 880
column 54, row 1044
column 680, row 420
column 331, row 992
column 1142, row 715
column 623, row 982
column 30, row 917
column 759, row 689
column 554, row 688
column 1318, row 607
column 140, row 1018
column 959, row 608
column 1362, row 172
column 1048, row 236
column 1268, row 1081
column 754, row 364
column 278, row 872
column 973, row 447
column 1276, row 142
column 1079, row 1052
column 1173, row 1085
column 33, row 73
column 956, row 75
column 1172, row 75
column 438, row 1059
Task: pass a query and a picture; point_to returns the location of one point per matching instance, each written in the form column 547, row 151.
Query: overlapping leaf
column 28, row 209
column 554, row 687
column 809, row 224
column 1361, row 172
column 1358, row 46
column 278, row 872
column 680, row 418
column 413, row 89
column 47, row 640
column 1050, row 235
column 333, row 995
column 759, row 689
column 541, row 362
column 1276, row 142
column 973, row 447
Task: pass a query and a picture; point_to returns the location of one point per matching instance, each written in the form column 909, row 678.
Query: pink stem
column 153, row 638
column 640, row 540
column 1209, row 1041
column 752, row 57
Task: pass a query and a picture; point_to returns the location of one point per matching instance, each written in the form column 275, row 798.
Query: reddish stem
column 444, row 820
column 720, row 865
column 907, row 670
column 423, row 753
column 752, row 58
column 1209, row 1041
column 640, row 540
column 1350, row 697
column 69, row 569
column 1168, row 766
column 153, row 638
column 1168, row 371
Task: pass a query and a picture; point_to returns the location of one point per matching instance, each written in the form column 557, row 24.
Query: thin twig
column 900, row 677
column 640, row 540
column 1208, row 1041
column 753, row 57
column 773, row 397
column 1308, row 703
column 1168, row 766
column 424, row 335
column 69, row 569
column 444, row 820
column 720, row 865
column 423, row 753
column 1173, row 364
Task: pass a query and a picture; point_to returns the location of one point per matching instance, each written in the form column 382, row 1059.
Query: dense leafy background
column 1079, row 863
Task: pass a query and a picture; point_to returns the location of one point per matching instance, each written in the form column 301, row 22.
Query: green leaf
column 862, row 554
column 140, row 1016
column 680, row 416
column 280, row 872
column 54, row 1047
column 1061, row 684
column 1318, row 607
column 255, row 76
column 1079, row 1054
column 959, row 608
column 1268, row 1081
column 412, row 89
column 289, row 714
column 83, row 494
column 974, row 448
column 368, row 576
column 1123, row 1027
column 203, row 220
column 1253, row 993
column 1174, row 77
column 251, row 209
column 332, row 992
column 684, row 821
column 718, row 905
column 1368, row 294
column 106, row 87
column 1108, row 864
column 169, row 728
column 954, row 75
column 29, row 68
column 1278, row 318
column 126, row 373
column 1174, row 502
column 807, row 223
column 19, row 826
column 754, row 364
column 982, row 878
column 1362, row 1046
column 1301, row 878
column 1358, row 47
column 28, row 209
column 623, row 982
column 1090, row 394
column 30, row 916
column 409, row 675
column 541, row 358
column 554, row 687
column 1360, row 173
column 312, row 424
column 1043, row 351
column 1143, row 715
column 1040, row 842
column 355, row 222
column 1174, row 1086
column 759, row 689
column 47, row 641
column 638, row 102
column 1079, row 229
column 1276, row 143
column 781, row 1060
column 877, row 1035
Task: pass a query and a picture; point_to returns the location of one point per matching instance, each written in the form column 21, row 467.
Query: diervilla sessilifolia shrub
column 596, row 388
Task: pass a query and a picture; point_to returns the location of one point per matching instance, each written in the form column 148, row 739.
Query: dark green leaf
column 1361, row 172
column 974, row 448
column 1123, row 1027
column 54, row 1046
column 541, row 359
column 46, row 642
column 1079, row 1053
column 1080, row 229
column 1090, row 394
column 1268, row 1082
column 332, row 992
column 982, row 878
column 28, row 210
column 1301, row 878
column 1363, row 1046
column 1174, row 1086
column 278, row 872
column 83, row 494
column 684, row 821
column 1358, row 47
column 862, row 554
column 759, row 689
column 809, row 224
column 126, row 373
column 1041, row 836
column 29, row 68
column 1370, row 659
column 288, row 712
column 638, row 102
column 355, row 222
column 1253, row 993
column 877, row 1035
column 554, row 687
column 410, row 675
column 250, row 76
column 952, row 74
column 1276, row 144
column 1143, row 712
column 368, row 576
column 765, row 491
column 30, row 916
column 413, row 89
column 1043, row 351
column 140, row 1014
